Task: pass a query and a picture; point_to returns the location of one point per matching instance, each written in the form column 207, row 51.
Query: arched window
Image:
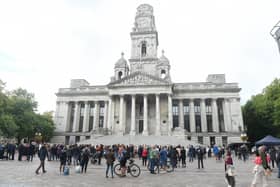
column 120, row 74
column 144, row 49
column 163, row 73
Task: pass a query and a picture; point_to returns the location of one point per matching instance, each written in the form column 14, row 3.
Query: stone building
column 142, row 100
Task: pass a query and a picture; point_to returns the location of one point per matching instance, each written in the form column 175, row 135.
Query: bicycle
column 156, row 166
column 132, row 168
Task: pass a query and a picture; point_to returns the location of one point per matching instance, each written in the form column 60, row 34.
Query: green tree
column 8, row 127
column 262, row 113
column 45, row 125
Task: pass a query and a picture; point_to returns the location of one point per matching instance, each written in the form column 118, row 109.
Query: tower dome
column 121, row 63
column 121, row 68
column 163, row 67
column 163, row 61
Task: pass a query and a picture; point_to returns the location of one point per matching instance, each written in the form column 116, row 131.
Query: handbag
column 267, row 172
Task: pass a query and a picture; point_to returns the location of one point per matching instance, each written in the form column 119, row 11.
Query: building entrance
column 140, row 126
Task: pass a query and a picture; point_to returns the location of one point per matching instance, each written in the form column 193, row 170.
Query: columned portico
column 145, row 130
column 132, row 129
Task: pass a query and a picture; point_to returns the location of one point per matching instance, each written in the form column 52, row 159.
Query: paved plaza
column 15, row 173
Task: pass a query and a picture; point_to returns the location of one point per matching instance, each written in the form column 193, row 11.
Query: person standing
column 183, row 157
column 43, row 153
column 144, row 156
column 229, row 170
column 259, row 169
column 110, row 158
column 163, row 157
column 85, row 159
column 63, row 158
column 199, row 153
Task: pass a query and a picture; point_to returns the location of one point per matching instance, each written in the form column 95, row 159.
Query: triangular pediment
column 139, row 79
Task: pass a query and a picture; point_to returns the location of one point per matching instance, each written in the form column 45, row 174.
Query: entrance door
column 212, row 140
column 140, row 126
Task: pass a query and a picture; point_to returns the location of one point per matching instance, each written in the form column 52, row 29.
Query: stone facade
column 142, row 100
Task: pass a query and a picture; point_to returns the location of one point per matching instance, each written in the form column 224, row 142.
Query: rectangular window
column 187, row 122
column 197, row 123
column 224, row 140
column 82, row 111
column 186, row 109
column 209, row 123
column 175, row 110
column 101, row 121
column 200, row 139
column 91, row 111
column 101, row 111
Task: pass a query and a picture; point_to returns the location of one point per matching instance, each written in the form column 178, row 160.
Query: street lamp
column 244, row 137
column 38, row 137
column 275, row 33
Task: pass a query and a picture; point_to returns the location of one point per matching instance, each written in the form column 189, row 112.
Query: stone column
column 105, row 126
column 121, row 120
column 158, row 133
column 215, row 115
column 67, row 113
column 86, row 117
column 181, row 114
column 112, row 115
column 96, row 115
column 226, row 113
column 132, row 128
column 145, row 130
column 170, row 115
column 203, row 115
column 192, row 116
column 76, row 117
column 109, row 120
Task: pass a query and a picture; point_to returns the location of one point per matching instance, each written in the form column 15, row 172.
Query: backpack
column 66, row 171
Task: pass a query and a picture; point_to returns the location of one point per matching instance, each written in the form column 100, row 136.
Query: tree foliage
column 18, row 118
column 262, row 113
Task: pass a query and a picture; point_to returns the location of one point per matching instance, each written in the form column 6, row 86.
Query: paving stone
column 22, row 174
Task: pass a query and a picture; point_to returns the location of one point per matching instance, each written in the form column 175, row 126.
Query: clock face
column 143, row 22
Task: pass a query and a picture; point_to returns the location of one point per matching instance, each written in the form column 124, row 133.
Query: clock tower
column 144, row 41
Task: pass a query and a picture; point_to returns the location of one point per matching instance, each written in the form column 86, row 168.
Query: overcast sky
column 44, row 44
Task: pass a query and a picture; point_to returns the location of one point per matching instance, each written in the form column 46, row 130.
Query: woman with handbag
column 260, row 167
column 229, row 169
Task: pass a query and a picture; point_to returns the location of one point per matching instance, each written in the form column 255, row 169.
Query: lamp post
column 38, row 137
column 275, row 33
column 244, row 137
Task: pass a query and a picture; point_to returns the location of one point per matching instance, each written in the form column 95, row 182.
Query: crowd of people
column 150, row 156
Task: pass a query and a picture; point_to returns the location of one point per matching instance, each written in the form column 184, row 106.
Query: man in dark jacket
column 42, row 154
column 110, row 158
column 200, row 153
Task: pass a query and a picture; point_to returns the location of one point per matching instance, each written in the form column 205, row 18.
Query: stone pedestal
column 179, row 133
